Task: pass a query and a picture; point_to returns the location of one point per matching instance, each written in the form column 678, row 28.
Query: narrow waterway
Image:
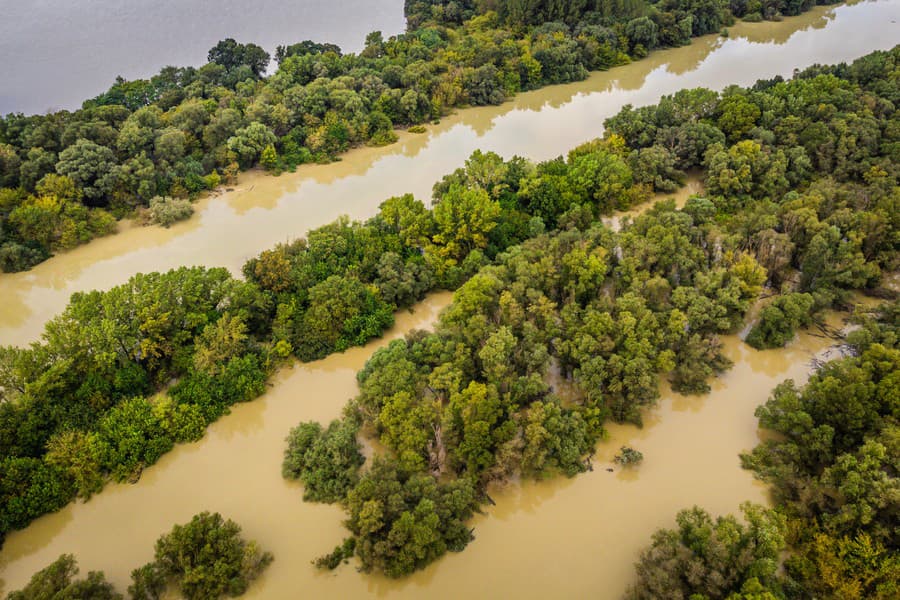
column 231, row 227
column 566, row 538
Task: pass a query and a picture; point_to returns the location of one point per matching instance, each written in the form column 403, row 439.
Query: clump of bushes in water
column 779, row 320
column 204, row 559
column 57, row 580
column 628, row 456
column 340, row 554
column 326, row 461
column 168, row 211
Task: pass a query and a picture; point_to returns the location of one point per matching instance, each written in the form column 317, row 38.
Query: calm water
column 56, row 53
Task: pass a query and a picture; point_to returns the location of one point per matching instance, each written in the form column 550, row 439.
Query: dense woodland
column 801, row 196
column 66, row 176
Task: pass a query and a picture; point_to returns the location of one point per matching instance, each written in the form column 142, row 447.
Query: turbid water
column 566, row 538
column 234, row 226
column 57, row 53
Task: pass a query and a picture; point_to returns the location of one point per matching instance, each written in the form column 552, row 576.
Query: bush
column 326, row 461
column 778, row 321
column 206, row 558
column 628, row 456
column 55, row 582
column 165, row 210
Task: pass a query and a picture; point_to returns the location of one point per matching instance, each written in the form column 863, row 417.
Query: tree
column 711, row 559
column 92, row 168
column 232, row 55
column 778, row 321
column 56, row 582
column 167, row 211
column 327, row 461
column 403, row 521
column 342, row 313
column 249, row 142
column 463, row 218
column 205, row 558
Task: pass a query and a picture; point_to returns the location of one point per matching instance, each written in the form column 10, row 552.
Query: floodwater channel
column 232, row 226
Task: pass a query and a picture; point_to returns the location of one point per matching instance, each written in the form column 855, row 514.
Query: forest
column 801, row 200
column 146, row 147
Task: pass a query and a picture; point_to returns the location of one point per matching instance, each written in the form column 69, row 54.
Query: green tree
column 205, row 558
column 327, row 460
column 56, row 582
column 711, row 558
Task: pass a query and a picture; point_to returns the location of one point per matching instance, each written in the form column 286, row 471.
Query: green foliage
column 205, row 558
column 628, row 456
column 77, row 407
column 779, row 320
column 402, row 521
column 56, row 582
column 706, row 558
column 833, row 467
column 166, row 211
column 342, row 313
column 839, row 438
column 340, row 554
column 326, row 461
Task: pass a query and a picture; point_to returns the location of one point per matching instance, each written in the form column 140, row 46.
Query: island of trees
column 65, row 177
column 801, row 197
column 204, row 559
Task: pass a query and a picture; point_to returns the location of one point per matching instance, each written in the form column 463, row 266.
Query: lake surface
column 231, row 227
column 58, row 53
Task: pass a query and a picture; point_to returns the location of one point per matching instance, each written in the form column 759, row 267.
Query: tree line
column 65, row 177
column 541, row 285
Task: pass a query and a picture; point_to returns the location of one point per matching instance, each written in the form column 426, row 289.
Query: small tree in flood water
column 206, row 558
column 628, row 456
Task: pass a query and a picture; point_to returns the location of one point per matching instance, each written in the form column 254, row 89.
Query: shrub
column 165, row 210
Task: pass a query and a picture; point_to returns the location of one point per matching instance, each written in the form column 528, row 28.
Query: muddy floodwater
column 564, row 538
column 262, row 210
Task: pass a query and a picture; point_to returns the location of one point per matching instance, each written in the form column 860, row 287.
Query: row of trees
column 204, row 559
column 65, row 175
column 835, row 472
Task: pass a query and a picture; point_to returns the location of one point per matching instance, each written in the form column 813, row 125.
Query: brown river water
column 235, row 225
column 565, row 538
